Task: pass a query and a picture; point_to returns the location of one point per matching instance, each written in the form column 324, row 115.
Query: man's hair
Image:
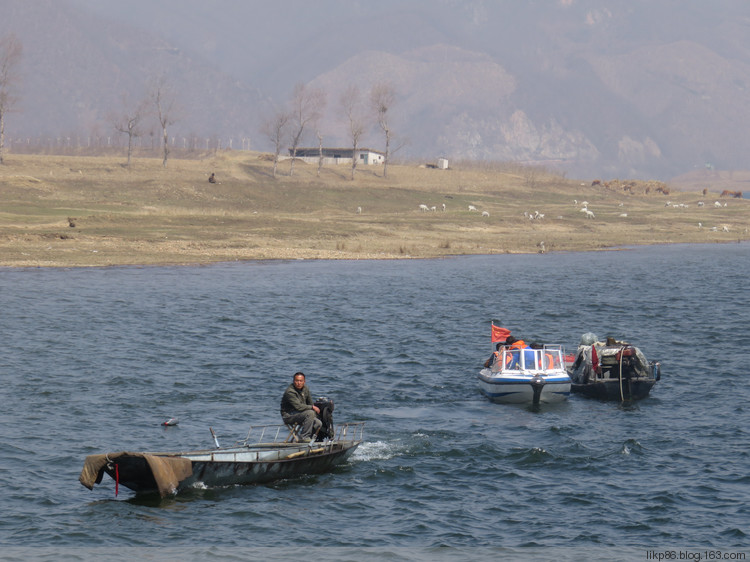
column 298, row 373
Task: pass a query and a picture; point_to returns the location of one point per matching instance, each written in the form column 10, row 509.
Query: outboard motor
column 326, row 416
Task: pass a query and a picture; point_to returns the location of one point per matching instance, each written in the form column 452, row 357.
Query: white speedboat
column 526, row 375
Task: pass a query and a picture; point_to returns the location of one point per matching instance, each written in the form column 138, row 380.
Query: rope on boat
column 622, row 399
column 110, row 465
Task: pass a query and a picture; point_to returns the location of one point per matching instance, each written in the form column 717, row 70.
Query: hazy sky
column 644, row 87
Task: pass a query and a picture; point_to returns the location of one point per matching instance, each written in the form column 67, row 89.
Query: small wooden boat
column 612, row 370
column 268, row 453
column 526, row 375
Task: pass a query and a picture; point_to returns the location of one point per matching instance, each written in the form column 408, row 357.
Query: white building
column 339, row 155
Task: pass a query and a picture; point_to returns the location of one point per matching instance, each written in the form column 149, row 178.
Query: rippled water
column 94, row 360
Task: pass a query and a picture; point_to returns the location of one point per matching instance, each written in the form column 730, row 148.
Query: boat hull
column 170, row 473
column 519, row 388
column 632, row 389
column 134, row 472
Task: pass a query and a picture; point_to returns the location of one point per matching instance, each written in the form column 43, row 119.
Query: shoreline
column 353, row 259
column 76, row 211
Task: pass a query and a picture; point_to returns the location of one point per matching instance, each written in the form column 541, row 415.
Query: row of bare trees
column 301, row 117
column 160, row 102
column 130, row 121
column 289, row 126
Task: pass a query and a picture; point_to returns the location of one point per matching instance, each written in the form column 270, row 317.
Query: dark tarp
column 168, row 472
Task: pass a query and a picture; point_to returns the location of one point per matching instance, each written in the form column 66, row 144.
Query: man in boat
column 494, row 358
column 297, row 408
column 517, row 346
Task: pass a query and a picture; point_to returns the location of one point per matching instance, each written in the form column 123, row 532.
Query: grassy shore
column 72, row 211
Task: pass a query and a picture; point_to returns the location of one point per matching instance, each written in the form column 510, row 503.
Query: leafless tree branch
column 307, row 107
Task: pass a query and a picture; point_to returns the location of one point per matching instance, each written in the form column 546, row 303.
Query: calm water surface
column 94, row 361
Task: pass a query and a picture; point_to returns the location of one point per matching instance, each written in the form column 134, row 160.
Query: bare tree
column 382, row 97
column 351, row 102
column 165, row 104
column 11, row 50
column 129, row 123
column 320, row 150
column 275, row 129
column 307, row 107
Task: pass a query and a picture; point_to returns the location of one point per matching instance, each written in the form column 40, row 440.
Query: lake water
column 95, row 360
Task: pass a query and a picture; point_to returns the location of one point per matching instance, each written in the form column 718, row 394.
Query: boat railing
column 547, row 358
column 275, row 435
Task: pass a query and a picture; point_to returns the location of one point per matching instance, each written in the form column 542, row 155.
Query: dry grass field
column 72, row 211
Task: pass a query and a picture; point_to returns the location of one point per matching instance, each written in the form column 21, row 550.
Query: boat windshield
column 549, row 357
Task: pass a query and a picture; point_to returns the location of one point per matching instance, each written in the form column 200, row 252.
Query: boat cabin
column 513, row 359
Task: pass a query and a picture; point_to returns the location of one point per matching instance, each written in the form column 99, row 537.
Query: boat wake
column 375, row 451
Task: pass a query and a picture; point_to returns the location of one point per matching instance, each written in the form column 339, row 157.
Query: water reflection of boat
column 526, row 375
column 266, row 454
column 612, row 370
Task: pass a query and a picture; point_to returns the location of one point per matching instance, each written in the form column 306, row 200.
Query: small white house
column 442, row 163
column 339, row 155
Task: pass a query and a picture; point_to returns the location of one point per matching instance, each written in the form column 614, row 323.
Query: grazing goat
column 359, row 210
column 472, row 208
column 589, row 214
column 424, row 208
column 485, row 214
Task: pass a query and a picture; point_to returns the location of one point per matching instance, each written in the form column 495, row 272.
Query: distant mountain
column 646, row 88
column 78, row 71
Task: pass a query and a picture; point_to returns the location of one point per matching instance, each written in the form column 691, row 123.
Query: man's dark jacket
column 295, row 401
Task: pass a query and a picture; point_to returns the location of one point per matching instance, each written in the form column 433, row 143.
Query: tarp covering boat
column 612, row 370
column 167, row 472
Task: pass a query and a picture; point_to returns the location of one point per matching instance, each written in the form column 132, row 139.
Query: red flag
column 499, row 334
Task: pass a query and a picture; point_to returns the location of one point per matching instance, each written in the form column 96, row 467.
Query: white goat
column 424, row 208
column 359, row 210
column 589, row 214
column 472, row 208
column 485, row 214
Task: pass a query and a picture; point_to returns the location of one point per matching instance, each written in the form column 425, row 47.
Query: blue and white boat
column 526, row 375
